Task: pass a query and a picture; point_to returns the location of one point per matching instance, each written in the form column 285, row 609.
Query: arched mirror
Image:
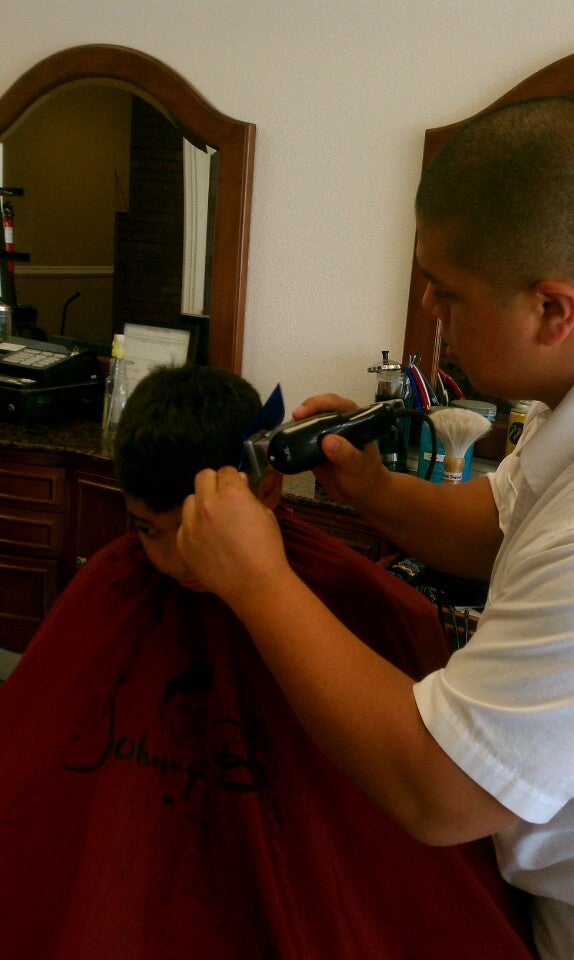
column 142, row 187
column 423, row 334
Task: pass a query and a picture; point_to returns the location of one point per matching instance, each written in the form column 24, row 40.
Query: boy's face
column 158, row 531
column 487, row 336
column 158, row 536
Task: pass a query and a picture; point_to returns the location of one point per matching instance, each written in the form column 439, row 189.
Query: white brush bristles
column 458, row 428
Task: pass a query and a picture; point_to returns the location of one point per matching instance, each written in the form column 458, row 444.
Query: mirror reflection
column 117, row 214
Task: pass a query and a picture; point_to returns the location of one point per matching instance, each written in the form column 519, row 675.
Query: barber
column 485, row 746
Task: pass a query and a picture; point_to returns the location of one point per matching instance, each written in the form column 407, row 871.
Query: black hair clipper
column 295, row 446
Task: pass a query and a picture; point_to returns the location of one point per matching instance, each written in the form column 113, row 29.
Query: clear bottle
column 115, row 388
column 109, row 382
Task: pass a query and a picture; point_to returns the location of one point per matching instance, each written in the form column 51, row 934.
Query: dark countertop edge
column 301, row 488
column 321, row 502
column 75, row 436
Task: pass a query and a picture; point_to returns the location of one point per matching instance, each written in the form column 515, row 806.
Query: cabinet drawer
column 28, row 589
column 349, row 528
column 32, row 486
column 39, row 533
column 99, row 515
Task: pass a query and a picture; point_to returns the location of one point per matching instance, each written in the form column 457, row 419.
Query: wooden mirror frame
column 423, row 332
column 234, row 139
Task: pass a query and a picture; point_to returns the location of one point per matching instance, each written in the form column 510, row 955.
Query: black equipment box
column 40, row 380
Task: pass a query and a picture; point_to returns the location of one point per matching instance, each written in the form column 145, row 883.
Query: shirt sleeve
column 504, row 485
column 503, row 707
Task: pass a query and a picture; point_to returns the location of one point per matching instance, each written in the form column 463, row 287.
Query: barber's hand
column 352, row 476
column 322, row 403
column 230, row 541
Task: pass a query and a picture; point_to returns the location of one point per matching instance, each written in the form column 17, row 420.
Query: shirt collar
column 548, row 446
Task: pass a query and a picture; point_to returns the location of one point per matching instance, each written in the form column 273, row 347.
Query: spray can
column 516, row 419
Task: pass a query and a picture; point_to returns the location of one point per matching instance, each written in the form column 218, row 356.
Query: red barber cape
column 160, row 801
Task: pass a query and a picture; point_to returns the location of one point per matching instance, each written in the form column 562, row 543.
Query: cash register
column 41, row 380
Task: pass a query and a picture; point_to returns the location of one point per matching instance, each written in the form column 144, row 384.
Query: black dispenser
column 391, row 385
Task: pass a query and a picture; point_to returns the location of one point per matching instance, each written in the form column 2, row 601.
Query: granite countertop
column 76, row 435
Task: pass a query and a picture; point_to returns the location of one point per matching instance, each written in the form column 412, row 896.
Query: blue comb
column 270, row 416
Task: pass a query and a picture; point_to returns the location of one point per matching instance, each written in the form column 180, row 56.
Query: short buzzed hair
column 502, row 188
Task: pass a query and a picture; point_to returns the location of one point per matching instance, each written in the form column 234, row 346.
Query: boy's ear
column 270, row 488
column 557, row 316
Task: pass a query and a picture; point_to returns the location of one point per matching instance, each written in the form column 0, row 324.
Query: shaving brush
column 457, row 429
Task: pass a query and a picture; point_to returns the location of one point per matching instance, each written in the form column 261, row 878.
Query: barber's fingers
column 227, row 537
column 213, row 491
column 349, row 473
column 205, row 482
column 336, row 448
column 211, row 484
column 217, row 506
column 230, row 475
column 210, row 481
column 321, row 403
column 339, row 451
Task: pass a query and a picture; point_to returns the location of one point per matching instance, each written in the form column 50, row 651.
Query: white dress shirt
column 503, row 708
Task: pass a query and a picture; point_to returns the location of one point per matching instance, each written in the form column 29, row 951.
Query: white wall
column 341, row 92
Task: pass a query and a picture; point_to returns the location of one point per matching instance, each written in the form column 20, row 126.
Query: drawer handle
column 79, row 562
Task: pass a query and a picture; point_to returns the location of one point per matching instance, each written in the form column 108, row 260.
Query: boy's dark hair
column 177, row 421
column 502, row 189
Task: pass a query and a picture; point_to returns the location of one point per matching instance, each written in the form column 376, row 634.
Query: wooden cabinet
column 97, row 515
column 32, row 537
column 28, row 588
column 54, row 513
